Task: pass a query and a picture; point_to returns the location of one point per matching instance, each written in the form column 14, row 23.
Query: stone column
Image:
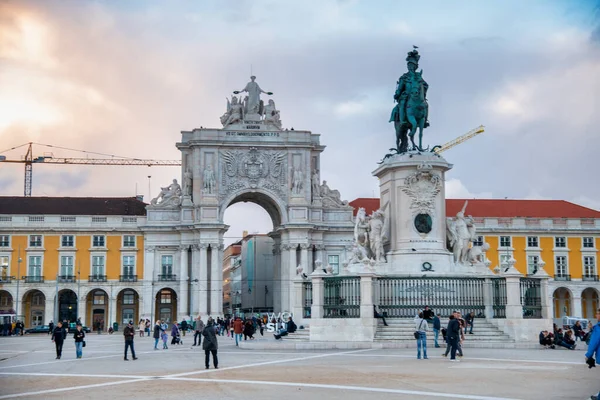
column 514, row 309
column 148, row 280
column 304, row 258
column 219, row 280
column 366, row 295
column 298, row 303
column 319, row 254
column 81, row 309
column 184, row 281
column 316, row 311
column 49, row 309
column 546, row 296
column 203, row 280
column 214, row 280
column 488, row 298
column 112, row 313
column 276, row 288
column 288, row 286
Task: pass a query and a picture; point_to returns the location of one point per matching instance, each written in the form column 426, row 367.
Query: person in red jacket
column 238, row 330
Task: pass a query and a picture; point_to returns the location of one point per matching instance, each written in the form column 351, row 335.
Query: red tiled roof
column 492, row 208
column 72, row 205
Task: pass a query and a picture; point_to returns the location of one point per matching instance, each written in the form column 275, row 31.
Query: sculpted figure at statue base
column 369, row 235
column 169, row 197
column 460, row 235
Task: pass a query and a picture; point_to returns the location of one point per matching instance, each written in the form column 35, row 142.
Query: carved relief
column 253, row 169
column 422, row 187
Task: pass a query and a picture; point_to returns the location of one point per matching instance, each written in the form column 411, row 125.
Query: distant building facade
column 232, row 279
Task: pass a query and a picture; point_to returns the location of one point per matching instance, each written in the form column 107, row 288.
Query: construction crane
column 471, row 134
column 48, row 158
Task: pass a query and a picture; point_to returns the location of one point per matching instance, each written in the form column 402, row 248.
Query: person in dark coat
column 156, row 334
column 436, row 329
column 129, row 334
column 58, row 337
column 50, row 328
column 377, row 315
column 428, row 314
column 79, row 337
column 248, row 329
column 184, row 326
column 453, row 335
column 210, row 344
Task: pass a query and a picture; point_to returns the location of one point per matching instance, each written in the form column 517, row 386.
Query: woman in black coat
column 156, row 334
column 58, row 337
column 210, row 344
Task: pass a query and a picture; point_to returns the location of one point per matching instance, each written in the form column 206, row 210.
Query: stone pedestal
column 412, row 187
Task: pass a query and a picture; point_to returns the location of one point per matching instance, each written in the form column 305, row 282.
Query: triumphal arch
column 251, row 158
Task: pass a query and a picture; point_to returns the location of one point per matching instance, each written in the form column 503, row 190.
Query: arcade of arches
column 567, row 303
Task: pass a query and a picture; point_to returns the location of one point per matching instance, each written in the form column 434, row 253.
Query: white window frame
column 41, row 265
column 537, row 242
column 62, row 243
column 123, row 265
column 335, row 265
column 163, row 264
column 93, row 265
column 533, row 261
column 509, row 241
column 7, row 241
column 29, row 242
column 587, row 265
column 64, row 266
column 125, row 242
column 560, row 244
column 591, row 242
column 126, row 293
column 103, row 245
column 479, row 241
column 565, row 267
column 5, row 271
column 504, row 259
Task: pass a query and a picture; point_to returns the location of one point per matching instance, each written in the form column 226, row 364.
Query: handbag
column 83, row 344
column 417, row 334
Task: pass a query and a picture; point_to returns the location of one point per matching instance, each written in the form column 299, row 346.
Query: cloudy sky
column 125, row 77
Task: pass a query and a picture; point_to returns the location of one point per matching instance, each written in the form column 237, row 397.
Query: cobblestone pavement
column 28, row 369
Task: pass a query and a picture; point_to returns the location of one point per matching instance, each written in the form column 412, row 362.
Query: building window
column 165, row 296
column 35, row 266
column 478, row 241
column 4, row 262
column 532, row 241
column 66, row 266
column 560, row 241
column 128, row 297
column 561, row 266
column 99, row 298
column 532, row 264
column 588, row 242
column 67, row 241
column 504, row 259
column 589, row 266
column 98, row 241
column 334, row 262
column 35, row 241
column 504, row 241
column 37, row 300
column 4, row 301
column 128, row 266
column 128, row 241
column 127, row 315
column 167, row 265
column 4, row 241
column 98, row 265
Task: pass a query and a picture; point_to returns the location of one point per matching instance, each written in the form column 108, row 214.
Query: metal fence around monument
column 499, row 297
column 406, row 297
column 306, row 299
column 531, row 298
column 342, row 297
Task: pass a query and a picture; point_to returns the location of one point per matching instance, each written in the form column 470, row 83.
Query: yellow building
column 561, row 237
column 89, row 251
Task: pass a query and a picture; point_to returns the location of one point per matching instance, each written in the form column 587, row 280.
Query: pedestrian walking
column 58, row 337
column 198, row 331
column 142, row 327
column 50, row 327
column 469, row 321
column 210, row 345
column 453, row 335
column 594, row 348
column 184, row 326
column 238, row 330
column 79, row 337
column 421, row 335
column 175, row 335
column 436, row 329
column 129, row 334
column 156, row 334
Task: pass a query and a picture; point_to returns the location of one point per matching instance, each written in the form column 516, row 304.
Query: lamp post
column 78, row 287
column 56, row 301
column 19, row 260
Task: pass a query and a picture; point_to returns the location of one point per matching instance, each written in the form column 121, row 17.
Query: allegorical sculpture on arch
column 251, row 108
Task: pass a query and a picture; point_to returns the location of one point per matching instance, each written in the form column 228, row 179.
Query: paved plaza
column 28, row 369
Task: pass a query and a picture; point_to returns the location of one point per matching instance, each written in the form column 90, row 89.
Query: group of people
column 12, row 329
column 566, row 339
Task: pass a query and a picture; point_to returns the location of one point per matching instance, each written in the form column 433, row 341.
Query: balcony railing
column 97, row 278
column 128, row 278
column 6, row 279
column 168, row 277
column 590, row 278
column 33, row 279
column 66, row 278
column 562, row 277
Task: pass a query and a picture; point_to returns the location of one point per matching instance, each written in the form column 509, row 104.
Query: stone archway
column 67, row 305
column 562, row 300
column 33, row 308
column 6, row 302
column 589, row 303
column 97, row 308
column 166, row 305
column 127, row 307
